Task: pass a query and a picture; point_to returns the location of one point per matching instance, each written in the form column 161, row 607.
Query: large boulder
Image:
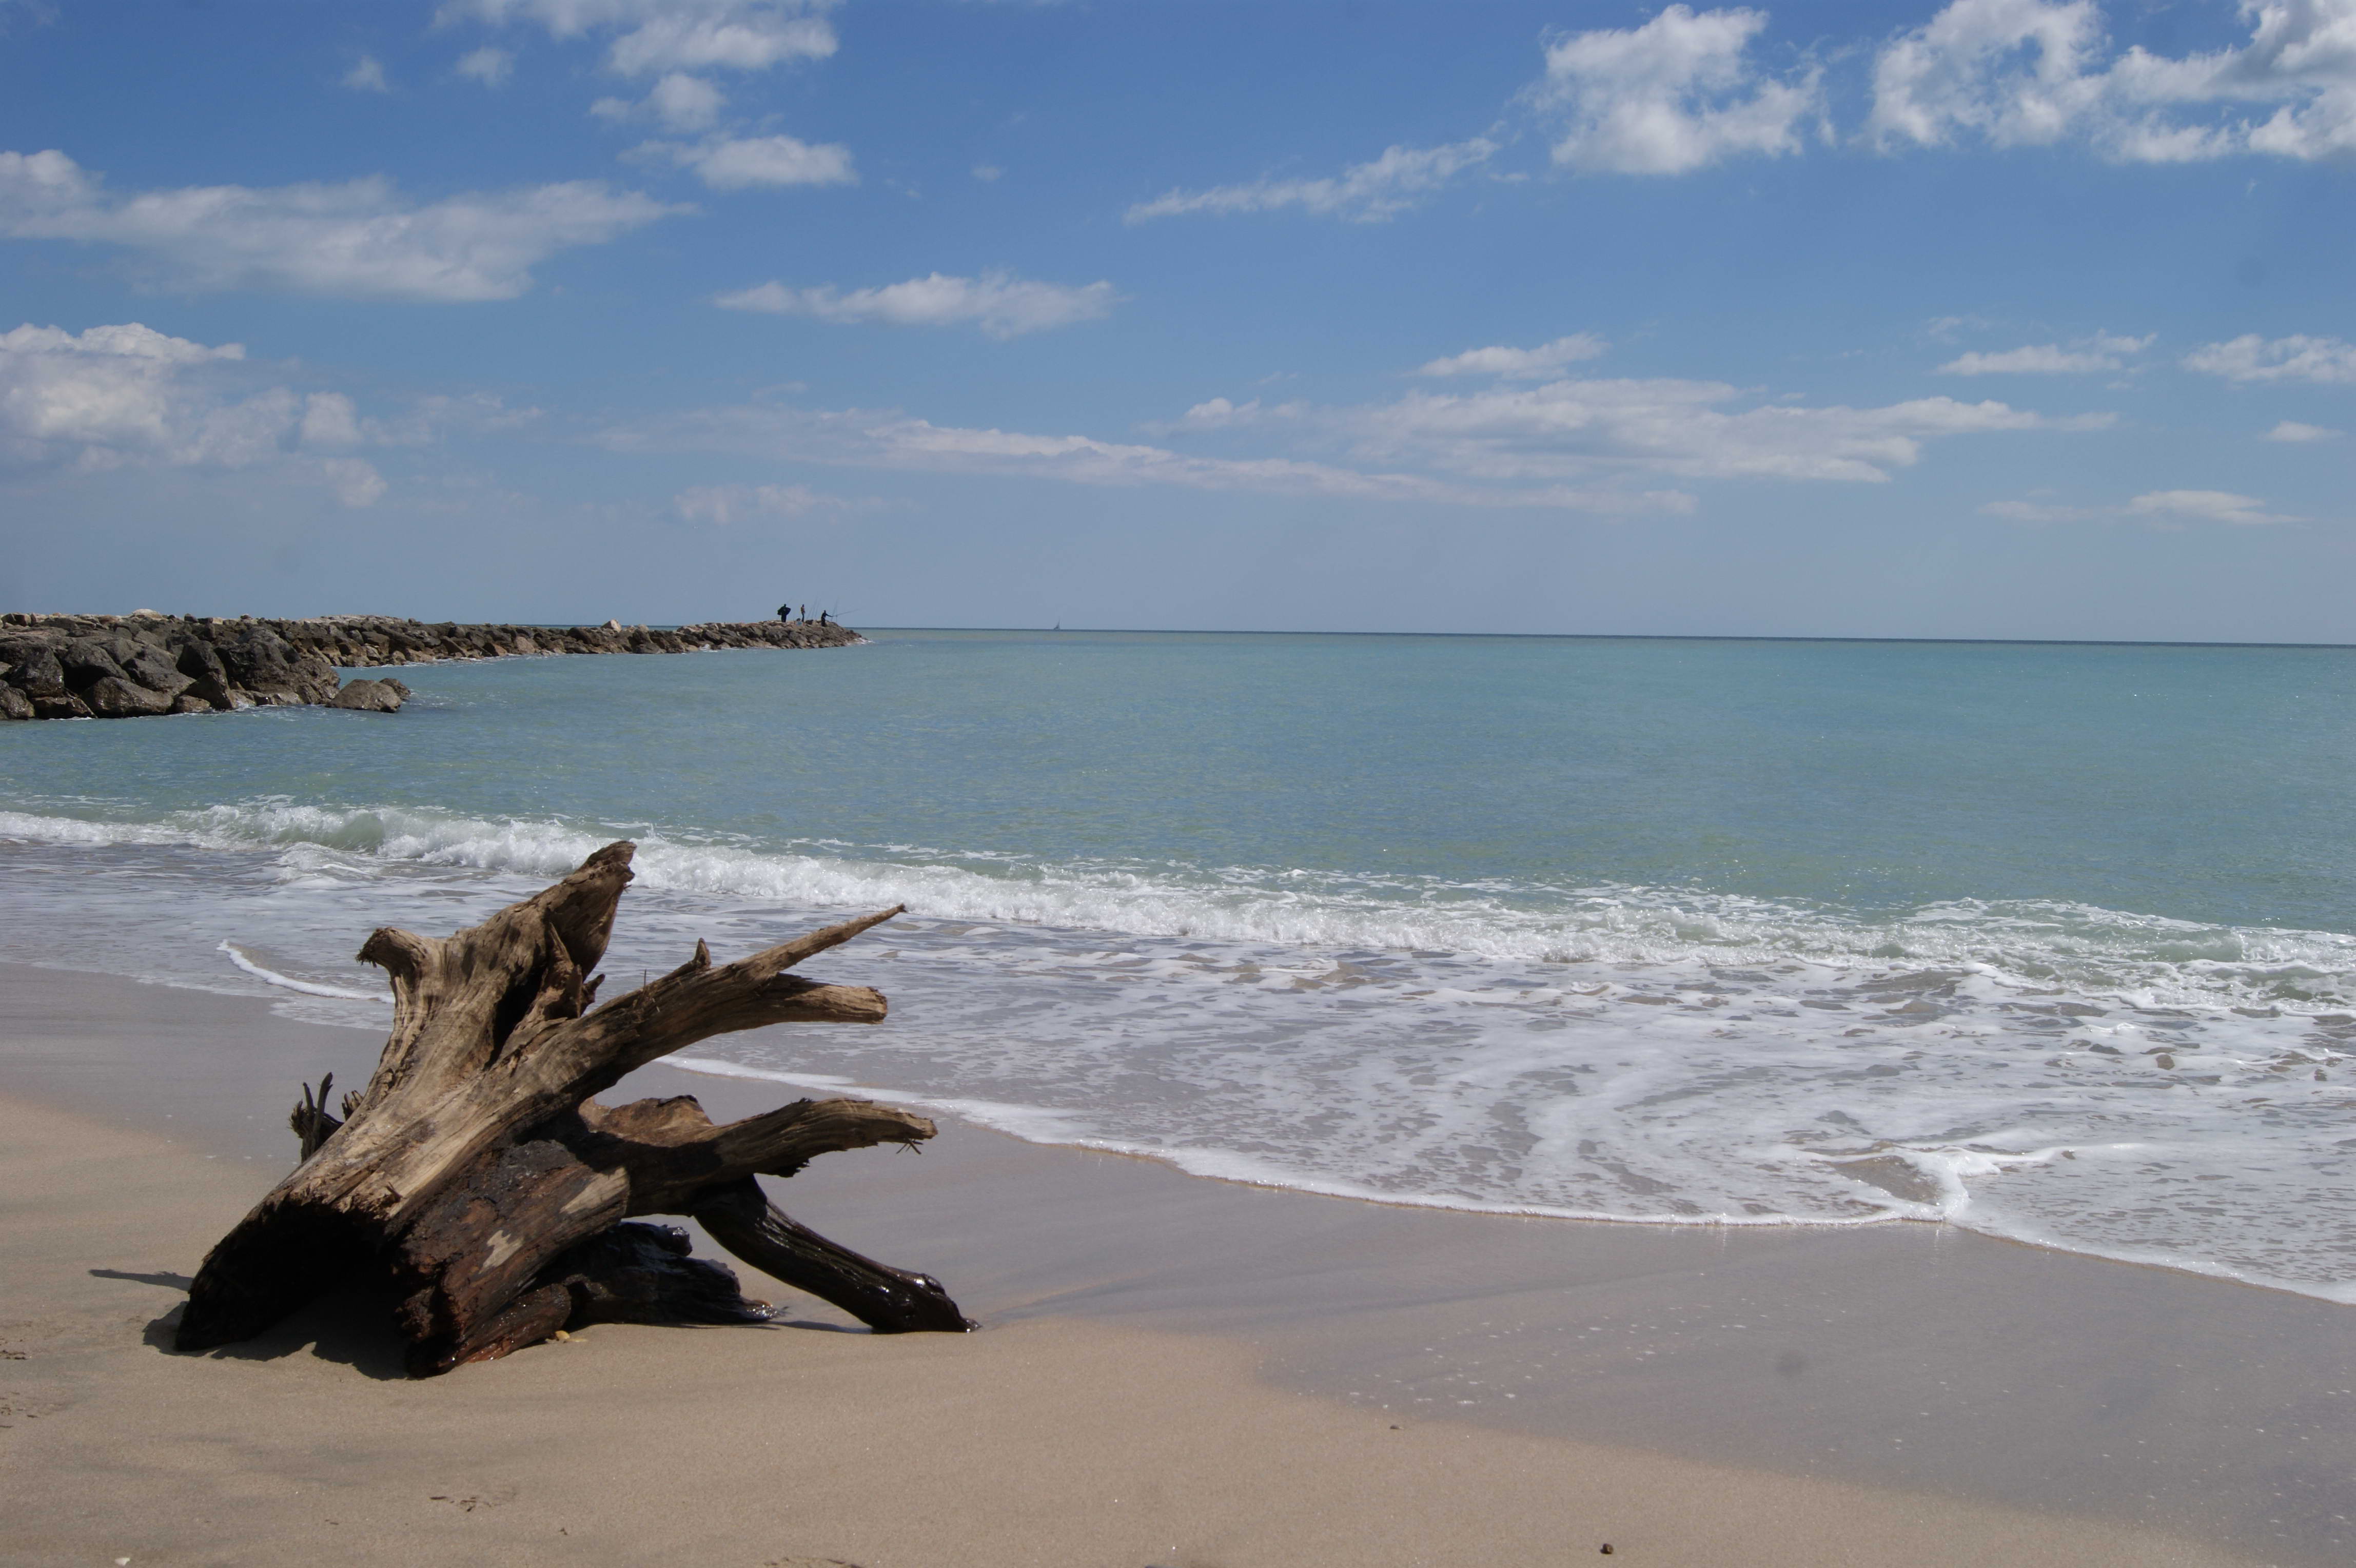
column 369, row 697
column 207, row 677
column 15, row 705
column 34, row 670
column 269, row 667
column 88, row 661
column 153, row 668
column 114, row 697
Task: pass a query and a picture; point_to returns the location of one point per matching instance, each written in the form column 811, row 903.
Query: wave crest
column 2137, row 959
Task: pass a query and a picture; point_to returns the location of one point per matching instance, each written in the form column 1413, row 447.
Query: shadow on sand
column 352, row 1327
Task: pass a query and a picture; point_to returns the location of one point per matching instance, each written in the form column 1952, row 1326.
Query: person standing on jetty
column 784, row 612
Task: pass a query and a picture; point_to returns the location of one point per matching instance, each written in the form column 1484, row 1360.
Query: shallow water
column 2049, row 942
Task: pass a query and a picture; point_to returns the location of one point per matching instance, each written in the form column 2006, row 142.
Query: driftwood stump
column 477, row 1169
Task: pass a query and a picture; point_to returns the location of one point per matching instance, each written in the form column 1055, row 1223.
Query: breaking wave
column 2135, row 960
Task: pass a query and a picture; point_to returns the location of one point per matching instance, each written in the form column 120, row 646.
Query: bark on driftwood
column 478, row 1169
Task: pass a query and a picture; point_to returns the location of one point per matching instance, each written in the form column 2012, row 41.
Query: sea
column 2052, row 941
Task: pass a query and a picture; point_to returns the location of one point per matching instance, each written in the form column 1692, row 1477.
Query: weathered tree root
column 476, row 1168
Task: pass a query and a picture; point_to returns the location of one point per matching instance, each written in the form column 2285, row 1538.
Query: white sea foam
column 288, row 983
column 2134, row 960
column 2108, row 1082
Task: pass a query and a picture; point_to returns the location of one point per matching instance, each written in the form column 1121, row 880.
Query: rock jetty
column 114, row 667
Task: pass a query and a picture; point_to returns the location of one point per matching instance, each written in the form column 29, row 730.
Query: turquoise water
column 2047, row 940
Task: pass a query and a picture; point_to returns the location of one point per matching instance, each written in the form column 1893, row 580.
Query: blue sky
column 1993, row 318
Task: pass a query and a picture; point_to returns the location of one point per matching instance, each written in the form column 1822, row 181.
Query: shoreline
column 1177, row 1162
column 1910, row 1361
column 281, row 989
column 957, row 1110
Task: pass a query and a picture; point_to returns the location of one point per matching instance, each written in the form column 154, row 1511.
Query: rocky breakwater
column 144, row 664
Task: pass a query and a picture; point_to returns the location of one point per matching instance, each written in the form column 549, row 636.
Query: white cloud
column 724, row 504
column 1599, row 446
column 1701, row 430
column 863, row 439
column 1001, row 304
column 2292, row 430
column 1672, row 95
column 116, row 396
column 987, row 173
column 367, row 76
column 1218, row 414
column 2099, row 353
column 2297, row 357
column 681, row 101
column 486, row 65
column 1964, row 70
column 329, row 419
column 1517, row 364
column 2038, row 73
column 356, row 483
column 1675, row 94
column 2160, row 508
column 753, row 40
column 2203, row 506
column 732, row 163
column 1363, row 193
column 356, row 240
column 651, row 36
column 686, row 102
column 112, row 389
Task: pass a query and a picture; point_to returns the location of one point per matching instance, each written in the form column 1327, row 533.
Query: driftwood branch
column 476, row 1168
column 888, row 1300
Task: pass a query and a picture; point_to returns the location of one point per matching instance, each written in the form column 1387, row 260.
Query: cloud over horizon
column 887, row 439
column 1585, row 429
column 1596, row 446
column 124, row 395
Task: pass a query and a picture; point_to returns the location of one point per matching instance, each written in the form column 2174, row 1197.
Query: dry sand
column 1167, row 1378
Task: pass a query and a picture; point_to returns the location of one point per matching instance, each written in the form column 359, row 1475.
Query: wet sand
column 1174, row 1371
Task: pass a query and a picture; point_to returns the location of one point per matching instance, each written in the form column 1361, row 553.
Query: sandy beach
column 1171, row 1371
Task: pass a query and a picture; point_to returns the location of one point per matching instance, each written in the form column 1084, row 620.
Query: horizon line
column 1637, row 637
